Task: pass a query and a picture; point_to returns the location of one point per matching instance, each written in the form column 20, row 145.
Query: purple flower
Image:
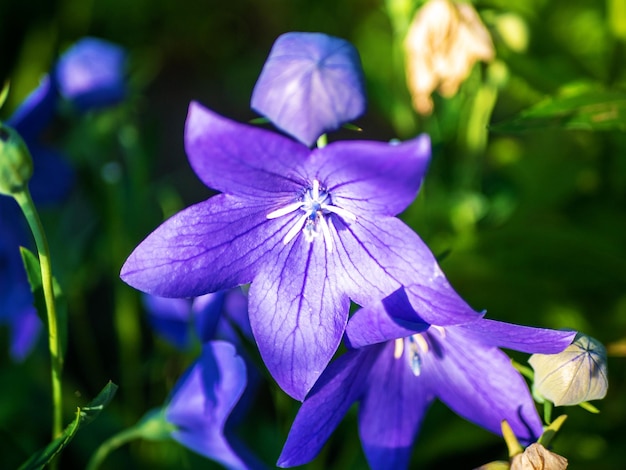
column 215, row 315
column 16, row 300
column 311, row 83
column 202, row 401
column 310, row 229
column 52, row 177
column 397, row 380
column 92, row 74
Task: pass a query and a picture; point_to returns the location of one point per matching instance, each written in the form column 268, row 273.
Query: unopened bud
column 537, row 457
column 16, row 164
column 573, row 376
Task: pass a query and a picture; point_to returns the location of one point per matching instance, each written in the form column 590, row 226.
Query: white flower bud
column 575, row 375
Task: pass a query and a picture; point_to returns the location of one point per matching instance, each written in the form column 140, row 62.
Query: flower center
column 415, row 347
column 315, row 222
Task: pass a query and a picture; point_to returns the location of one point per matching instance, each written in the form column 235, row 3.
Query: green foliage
column 84, row 416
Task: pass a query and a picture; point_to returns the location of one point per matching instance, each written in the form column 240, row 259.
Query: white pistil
column 316, row 205
column 414, row 346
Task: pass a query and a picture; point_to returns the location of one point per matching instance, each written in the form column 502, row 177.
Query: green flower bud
column 575, row 375
column 16, row 164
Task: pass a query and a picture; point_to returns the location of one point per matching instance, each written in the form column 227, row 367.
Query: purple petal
column 479, row 383
column 203, row 399
column 311, row 83
column 373, row 177
column 170, row 318
column 36, row 111
column 244, row 160
column 341, row 384
column 380, row 255
column 373, row 324
column 25, row 329
column 214, row 245
column 297, row 315
column 392, row 411
column 91, row 73
column 207, row 312
column 520, row 338
column 52, row 177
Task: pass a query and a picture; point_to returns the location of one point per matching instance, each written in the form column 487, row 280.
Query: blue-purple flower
column 92, row 73
column 397, row 380
column 310, row 229
column 218, row 315
column 311, row 83
column 202, row 401
column 16, row 300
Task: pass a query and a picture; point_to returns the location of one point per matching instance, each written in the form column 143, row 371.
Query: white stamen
column 399, row 348
column 288, row 209
column 293, row 231
column 316, row 204
column 326, row 233
column 344, row 214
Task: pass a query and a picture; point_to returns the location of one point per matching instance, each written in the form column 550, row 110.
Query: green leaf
column 4, row 93
column 591, row 110
column 33, row 272
column 84, row 415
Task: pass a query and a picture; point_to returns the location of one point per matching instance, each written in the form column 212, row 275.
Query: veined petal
column 241, row 159
column 298, row 315
column 479, row 383
column 373, row 177
column 213, row 245
column 378, row 256
column 311, row 83
column 341, row 384
column 203, row 399
column 520, row 338
column 373, row 324
column 392, row 411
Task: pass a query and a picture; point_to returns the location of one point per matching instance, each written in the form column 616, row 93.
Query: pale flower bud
column 444, row 41
column 575, row 375
column 537, row 457
column 16, row 164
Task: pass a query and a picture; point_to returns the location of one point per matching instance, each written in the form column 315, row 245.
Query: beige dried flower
column 537, row 457
column 444, row 41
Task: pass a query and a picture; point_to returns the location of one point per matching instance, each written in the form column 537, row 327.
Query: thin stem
column 25, row 202
column 112, row 443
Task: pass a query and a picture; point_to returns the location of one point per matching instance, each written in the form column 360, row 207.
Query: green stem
column 25, row 202
column 114, row 442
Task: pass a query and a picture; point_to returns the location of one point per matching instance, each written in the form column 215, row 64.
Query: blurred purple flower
column 211, row 316
column 397, row 380
column 16, row 300
column 311, row 83
column 310, row 229
column 92, row 73
column 202, row 401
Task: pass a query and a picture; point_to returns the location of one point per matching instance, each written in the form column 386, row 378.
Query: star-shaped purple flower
column 397, row 380
column 202, row 402
column 311, row 83
column 310, row 229
column 92, row 73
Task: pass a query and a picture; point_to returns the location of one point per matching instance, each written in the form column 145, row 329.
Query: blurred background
column 528, row 216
